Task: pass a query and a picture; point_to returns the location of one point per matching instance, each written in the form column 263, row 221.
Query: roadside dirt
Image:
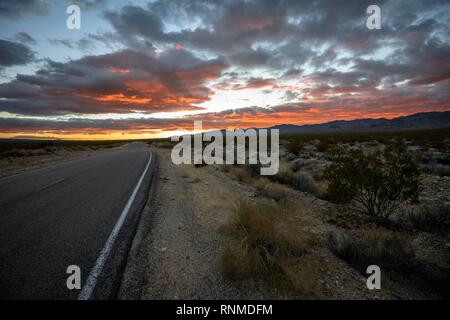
column 176, row 251
column 178, row 239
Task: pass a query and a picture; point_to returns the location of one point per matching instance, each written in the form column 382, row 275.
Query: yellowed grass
column 269, row 240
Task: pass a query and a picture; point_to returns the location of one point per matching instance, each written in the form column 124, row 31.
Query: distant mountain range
column 423, row 120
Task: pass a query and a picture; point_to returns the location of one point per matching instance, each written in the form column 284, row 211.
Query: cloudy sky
column 150, row 68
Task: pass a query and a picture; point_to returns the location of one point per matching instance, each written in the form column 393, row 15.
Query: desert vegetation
column 384, row 200
column 375, row 183
column 18, row 155
column 28, row 148
column 270, row 241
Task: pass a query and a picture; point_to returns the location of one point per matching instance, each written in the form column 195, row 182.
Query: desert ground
column 220, row 231
column 225, row 232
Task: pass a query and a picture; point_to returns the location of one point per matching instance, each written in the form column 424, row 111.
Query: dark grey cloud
column 13, row 53
column 121, row 82
column 250, row 57
column 291, row 27
column 25, row 38
column 64, row 42
column 295, row 38
column 17, row 9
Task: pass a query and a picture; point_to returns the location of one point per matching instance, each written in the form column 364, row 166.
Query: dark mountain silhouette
column 423, row 120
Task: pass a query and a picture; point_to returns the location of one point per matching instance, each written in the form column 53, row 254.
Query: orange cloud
column 120, row 97
column 116, row 70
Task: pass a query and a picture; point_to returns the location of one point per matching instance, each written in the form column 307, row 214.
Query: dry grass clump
column 302, row 181
column 269, row 241
column 302, row 277
column 269, row 189
column 387, row 249
column 431, row 218
column 240, row 172
column 391, row 251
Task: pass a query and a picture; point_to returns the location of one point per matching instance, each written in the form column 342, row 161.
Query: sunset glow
column 232, row 64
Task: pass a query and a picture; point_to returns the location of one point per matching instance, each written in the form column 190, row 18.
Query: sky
column 144, row 69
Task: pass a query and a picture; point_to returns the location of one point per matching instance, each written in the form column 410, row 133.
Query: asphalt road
column 63, row 215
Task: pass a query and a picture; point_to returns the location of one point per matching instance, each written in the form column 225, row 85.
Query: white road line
column 91, row 281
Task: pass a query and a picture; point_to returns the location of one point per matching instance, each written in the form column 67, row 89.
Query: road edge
column 133, row 276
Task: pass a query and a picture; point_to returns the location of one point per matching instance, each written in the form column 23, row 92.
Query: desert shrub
column 240, row 172
column 373, row 143
column 391, row 251
column 301, row 180
column 323, row 145
column 398, row 146
column 284, row 176
column 259, row 184
column 267, row 241
column 301, row 276
column 387, row 249
column 254, row 169
column 14, row 153
column 317, row 172
column 294, row 146
column 162, row 144
column 431, row 218
column 19, row 153
column 51, row 149
column 303, row 164
column 436, row 169
column 374, row 183
column 275, row 191
column 443, row 159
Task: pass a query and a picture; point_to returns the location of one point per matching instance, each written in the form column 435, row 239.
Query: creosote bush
column 374, row 183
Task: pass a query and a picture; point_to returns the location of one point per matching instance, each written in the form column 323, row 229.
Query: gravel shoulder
column 175, row 254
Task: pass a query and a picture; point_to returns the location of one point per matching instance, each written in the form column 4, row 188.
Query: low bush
column 267, row 241
column 298, row 164
column 301, row 181
column 323, row 145
column 391, row 251
column 270, row 189
column 294, row 146
column 240, row 172
column 375, row 183
column 387, row 249
column 431, row 218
